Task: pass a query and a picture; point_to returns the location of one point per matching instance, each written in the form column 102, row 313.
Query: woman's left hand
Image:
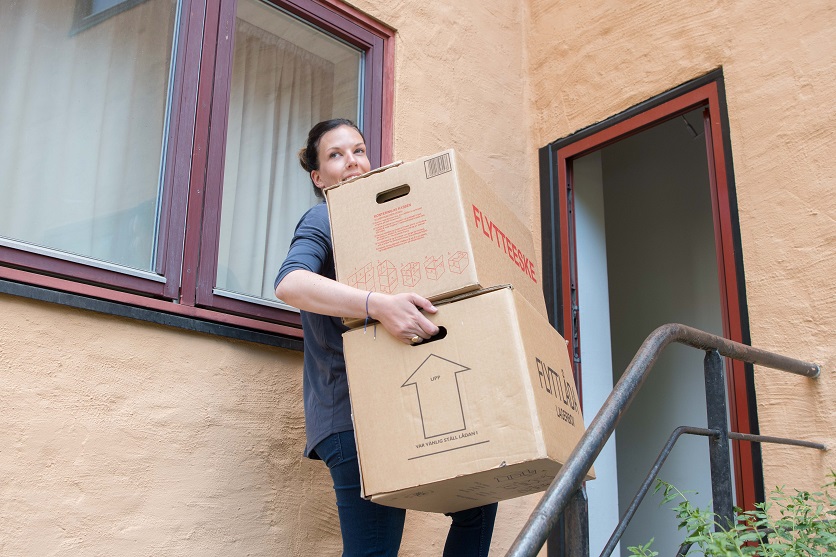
column 400, row 315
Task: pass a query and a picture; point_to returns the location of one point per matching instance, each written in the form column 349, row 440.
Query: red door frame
column 746, row 458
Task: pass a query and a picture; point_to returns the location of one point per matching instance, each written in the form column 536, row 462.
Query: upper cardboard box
column 430, row 226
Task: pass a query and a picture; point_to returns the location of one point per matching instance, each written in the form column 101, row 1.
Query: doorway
column 640, row 230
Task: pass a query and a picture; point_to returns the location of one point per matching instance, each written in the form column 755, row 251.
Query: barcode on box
column 437, row 165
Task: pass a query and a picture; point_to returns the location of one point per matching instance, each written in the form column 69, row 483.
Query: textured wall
column 123, row 438
column 460, row 83
column 126, row 438
column 589, row 60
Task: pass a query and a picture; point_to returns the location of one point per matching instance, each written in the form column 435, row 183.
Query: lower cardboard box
column 485, row 411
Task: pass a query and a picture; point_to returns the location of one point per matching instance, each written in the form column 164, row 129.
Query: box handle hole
column 442, row 332
column 392, row 194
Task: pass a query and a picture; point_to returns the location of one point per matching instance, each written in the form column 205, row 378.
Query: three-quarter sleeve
column 310, row 248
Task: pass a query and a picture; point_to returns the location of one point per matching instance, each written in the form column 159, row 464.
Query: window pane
column 82, row 118
column 97, row 6
column 286, row 76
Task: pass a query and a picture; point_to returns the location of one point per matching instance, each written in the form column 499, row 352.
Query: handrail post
column 718, row 447
column 571, row 536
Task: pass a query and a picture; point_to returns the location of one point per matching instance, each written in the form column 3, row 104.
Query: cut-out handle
column 442, row 332
column 391, row 194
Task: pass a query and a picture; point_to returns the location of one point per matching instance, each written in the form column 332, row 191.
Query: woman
column 336, row 151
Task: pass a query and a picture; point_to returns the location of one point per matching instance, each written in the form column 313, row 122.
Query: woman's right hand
column 400, row 315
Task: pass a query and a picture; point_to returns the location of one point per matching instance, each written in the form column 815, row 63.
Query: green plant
column 799, row 525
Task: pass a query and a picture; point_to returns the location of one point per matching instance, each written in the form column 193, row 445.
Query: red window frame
column 192, row 182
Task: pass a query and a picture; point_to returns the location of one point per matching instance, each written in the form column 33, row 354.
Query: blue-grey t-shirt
column 325, row 386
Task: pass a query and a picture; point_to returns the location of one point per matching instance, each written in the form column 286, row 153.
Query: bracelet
column 367, row 312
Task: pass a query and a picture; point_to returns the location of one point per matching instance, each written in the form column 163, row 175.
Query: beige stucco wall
column 460, row 82
column 590, row 59
column 121, row 437
column 126, row 438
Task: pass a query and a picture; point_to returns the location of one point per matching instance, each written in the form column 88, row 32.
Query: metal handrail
column 547, row 512
column 648, row 481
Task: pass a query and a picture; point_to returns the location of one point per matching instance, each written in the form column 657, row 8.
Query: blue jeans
column 369, row 529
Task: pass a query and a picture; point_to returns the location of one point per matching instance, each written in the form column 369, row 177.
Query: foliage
column 798, row 525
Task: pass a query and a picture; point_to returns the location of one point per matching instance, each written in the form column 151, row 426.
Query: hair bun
column 303, row 159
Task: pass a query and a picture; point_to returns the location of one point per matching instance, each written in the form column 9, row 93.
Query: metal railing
column 566, row 484
column 663, row 455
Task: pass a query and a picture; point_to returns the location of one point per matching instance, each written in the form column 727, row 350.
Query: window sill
column 94, row 298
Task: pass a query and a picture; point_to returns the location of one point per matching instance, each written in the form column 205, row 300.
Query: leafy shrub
column 799, row 525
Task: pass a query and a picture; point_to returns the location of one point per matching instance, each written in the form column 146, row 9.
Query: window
column 264, row 193
column 82, row 127
column 151, row 158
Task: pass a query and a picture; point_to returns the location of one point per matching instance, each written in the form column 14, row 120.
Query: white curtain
column 278, row 92
column 81, row 127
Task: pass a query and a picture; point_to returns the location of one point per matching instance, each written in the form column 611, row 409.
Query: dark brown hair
column 309, row 154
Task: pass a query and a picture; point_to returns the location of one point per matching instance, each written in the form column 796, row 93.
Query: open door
column 601, row 217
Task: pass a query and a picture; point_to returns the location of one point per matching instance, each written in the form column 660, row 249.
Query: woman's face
column 342, row 155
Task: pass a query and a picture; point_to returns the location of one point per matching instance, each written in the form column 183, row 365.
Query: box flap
column 473, row 293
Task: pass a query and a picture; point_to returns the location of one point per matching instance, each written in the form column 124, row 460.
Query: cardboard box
column 431, row 226
column 486, row 413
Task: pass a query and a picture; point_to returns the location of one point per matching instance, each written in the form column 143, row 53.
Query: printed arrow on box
column 436, row 383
